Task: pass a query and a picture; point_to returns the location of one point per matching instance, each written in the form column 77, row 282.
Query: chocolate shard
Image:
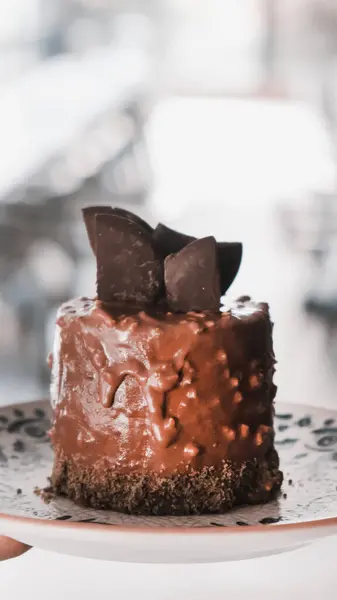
column 229, row 261
column 90, row 213
column 169, row 241
column 192, row 277
column 128, row 269
column 89, row 216
column 133, row 218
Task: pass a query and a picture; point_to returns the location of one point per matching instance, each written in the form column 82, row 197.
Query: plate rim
column 138, row 530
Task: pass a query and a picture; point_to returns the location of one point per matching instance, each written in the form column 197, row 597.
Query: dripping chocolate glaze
column 161, row 391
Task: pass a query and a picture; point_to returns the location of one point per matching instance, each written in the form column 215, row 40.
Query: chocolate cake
column 163, row 403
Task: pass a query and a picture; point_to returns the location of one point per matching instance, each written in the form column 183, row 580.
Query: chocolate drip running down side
column 162, row 392
column 156, row 380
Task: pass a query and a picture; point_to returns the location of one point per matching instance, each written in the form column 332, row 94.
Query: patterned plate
column 306, row 440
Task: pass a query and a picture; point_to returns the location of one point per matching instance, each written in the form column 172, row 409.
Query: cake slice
column 163, row 403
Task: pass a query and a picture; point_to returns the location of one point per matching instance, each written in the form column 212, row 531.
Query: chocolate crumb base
column 191, row 493
column 47, row 494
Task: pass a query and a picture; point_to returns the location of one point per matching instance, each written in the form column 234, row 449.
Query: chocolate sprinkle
column 192, row 277
column 128, row 269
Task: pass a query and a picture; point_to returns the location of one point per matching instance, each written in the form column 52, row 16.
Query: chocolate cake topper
column 192, row 277
column 229, row 261
column 134, row 262
column 229, row 253
column 90, row 213
column 128, row 269
column 170, row 241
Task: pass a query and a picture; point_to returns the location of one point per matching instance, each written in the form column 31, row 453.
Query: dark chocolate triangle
column 192, row 277
column 229, row 260
column 169, row 241
column 89, row 216
column 128, row 269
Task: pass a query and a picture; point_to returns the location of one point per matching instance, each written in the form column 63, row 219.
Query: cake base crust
column 188, row 493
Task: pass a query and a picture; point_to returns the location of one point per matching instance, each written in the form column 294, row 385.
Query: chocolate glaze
column 156, row 392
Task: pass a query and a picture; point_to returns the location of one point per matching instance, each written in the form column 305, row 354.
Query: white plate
column 305, row 510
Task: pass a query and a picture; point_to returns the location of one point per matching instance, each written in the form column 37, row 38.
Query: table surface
column 306, row 374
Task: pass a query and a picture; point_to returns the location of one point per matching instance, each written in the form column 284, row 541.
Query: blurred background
column 215, row 117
